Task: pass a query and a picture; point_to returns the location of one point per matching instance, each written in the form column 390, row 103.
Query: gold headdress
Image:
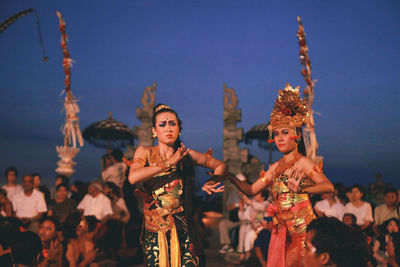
column 289, row 110
column 160, row 107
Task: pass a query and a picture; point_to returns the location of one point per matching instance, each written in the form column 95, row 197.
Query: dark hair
column 341, row 191
column 301, row 146
column 117, row 154
column 61, row 185
column 382, row 228
column 54, row 220
column 92, row 222
column 390, row 190
column 114, row 188
column 9, row 227
column 396, row 244
column 70, row 225
column 359, row 187
column 10, row 169
column 25, row 248
column 345, row 246
column 352, row 216
column 36, row 174
column 64, row 179
column 167, row 109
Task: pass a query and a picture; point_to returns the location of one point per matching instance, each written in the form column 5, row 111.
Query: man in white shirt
column 330, row 206
column 361, row 209
column 29, row 204
column 96, row 203
column 115, row 169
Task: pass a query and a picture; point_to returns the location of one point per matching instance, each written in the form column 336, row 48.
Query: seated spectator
column 361, row 209
column 120, row 211
column 62, row 206
column 230, row 219
column 26, row 248
column 329, row 242
column 29, row 204
column 393, row 250
column 52, row 248
column 115, row 169
column 6, row 208
column 9, row 228
column 11, row 187
column 387, row 210
column 42, row 188
column 259, row 254
column 108, row 241
column 78, row 191
column 251, row 212
column 349, row 219
column 329, row 206
column 60, row 179
column 386, row 229
column 340, row 192
column 79, row 251
column 96, row 203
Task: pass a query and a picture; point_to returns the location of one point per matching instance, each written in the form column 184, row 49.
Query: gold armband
column 315, row 170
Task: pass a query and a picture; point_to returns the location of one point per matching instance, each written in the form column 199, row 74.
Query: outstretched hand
column 294, row 180
column 179, row 154
column 212, row 187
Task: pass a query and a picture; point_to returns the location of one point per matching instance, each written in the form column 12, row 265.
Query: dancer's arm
column 140, row 173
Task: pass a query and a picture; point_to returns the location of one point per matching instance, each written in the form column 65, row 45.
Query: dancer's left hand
column 212, row 187
column 294, row 180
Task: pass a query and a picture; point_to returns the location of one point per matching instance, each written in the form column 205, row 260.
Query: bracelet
column 305, row 190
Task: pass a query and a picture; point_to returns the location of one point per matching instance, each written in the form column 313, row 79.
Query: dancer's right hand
column 178, row 155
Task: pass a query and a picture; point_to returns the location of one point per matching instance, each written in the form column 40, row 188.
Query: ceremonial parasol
column 260, row 132
column 109, row 133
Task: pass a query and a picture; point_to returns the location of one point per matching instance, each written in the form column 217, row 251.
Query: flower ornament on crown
column 290, row 111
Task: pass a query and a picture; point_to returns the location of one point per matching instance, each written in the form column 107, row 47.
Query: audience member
column 96, row 203
column 52, row 248
column 259, row 255
column 361, row 209
column 6, row 208
column 329, row 206
column 120, row 211
column 78, row 191
column 340, row 192
column 349, row 219
column 26, row 248
column 386, row 229
column 329, row 242
column 62, row 206
column 387, row 210
column 108, row 241
column 115, row 169
column 79, row 251
column 11, row 187
column 42, row 188
column 393, row 250
column 9, row 227
column 251, row 212
column 60, row 179
column 29, row 204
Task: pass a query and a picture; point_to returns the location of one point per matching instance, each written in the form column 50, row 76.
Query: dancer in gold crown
column 289, row 181
column 164, row 171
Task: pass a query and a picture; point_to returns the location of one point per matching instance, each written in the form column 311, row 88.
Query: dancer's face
column 284, row 139
column 166, row 128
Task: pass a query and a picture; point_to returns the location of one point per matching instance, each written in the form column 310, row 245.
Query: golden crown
column 289, row 110
column 160, row 107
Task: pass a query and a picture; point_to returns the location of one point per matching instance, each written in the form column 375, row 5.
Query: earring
column 179, row 134
column 154, row 135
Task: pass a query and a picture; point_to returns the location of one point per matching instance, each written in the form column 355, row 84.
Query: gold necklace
column 283, row 166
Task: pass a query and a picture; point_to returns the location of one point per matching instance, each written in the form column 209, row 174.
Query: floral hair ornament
column 290, row 111
column 160, row 107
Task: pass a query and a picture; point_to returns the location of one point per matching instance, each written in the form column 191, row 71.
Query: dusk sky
column 190, row 48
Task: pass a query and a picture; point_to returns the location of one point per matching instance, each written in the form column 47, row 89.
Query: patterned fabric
column 166, row 240
column 291, row 212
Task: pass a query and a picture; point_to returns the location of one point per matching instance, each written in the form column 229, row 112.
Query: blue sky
column 190, row 48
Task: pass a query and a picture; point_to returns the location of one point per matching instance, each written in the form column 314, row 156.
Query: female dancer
column 289, row 181
column 163, row 171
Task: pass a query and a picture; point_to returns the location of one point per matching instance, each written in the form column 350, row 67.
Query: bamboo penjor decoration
column 310, row 138
column 71, row 130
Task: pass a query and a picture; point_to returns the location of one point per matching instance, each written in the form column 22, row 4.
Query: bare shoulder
column 142, row 151
column 273, row 166
column 305, row 163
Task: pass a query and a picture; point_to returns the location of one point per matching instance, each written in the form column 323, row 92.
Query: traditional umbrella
column 260, row 132
column 108, row 134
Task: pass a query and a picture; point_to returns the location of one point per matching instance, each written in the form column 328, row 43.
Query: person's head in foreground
column 25, row 249
column 329, row 242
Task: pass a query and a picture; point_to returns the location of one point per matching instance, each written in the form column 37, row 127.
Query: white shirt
column 29, row 206
column 12, row 190
column 336, row 210
column 115, row 173
column 99, row 206
column 363, row 213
